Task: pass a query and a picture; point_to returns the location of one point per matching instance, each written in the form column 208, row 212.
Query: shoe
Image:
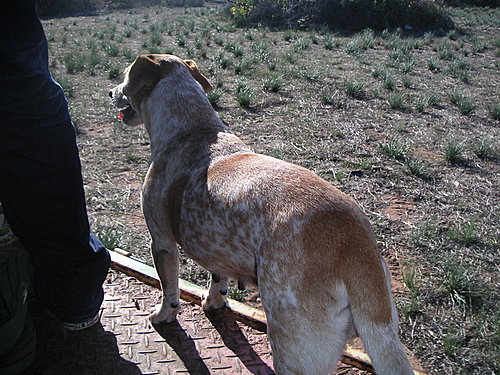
column 82, row 325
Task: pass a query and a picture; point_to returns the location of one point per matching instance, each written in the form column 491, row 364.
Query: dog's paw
column 164, row 314
column 215, row 302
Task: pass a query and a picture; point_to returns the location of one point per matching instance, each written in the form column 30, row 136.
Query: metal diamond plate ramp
column 197, row 343
column 125, row 342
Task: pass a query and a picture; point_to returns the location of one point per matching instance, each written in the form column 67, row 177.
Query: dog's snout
column 110, row 93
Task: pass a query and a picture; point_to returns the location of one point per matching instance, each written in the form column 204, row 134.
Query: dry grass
column 442, row 221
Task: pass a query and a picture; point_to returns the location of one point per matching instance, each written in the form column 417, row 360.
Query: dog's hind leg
column 308, row 331
column 166, row 259
column 217, row 293
column 307, row 343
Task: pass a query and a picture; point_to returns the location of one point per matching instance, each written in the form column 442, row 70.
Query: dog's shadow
column 184, row 346
column 232, row 336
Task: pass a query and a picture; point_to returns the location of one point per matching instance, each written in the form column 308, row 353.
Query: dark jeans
column 41, row 187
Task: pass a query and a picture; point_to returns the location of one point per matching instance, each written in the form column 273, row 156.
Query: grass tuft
column 355, row 89
column 453, row 151
column 483, row 149
column 396, row 100
column 110, row 237
column 494, row 111
column 395, row 149
column 273, row 84
column 214, row 98
column 415, row 167
column 244, row 95
column 464, row 103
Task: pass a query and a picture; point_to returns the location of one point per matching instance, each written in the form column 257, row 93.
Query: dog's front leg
column 166, row 258
column 217, row 293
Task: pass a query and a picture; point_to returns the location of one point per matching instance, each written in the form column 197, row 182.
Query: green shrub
column 484, row 149
column 241, row 66
column 329, row 43
column 389, row 82
column 113, row 72
column 66, row 84
column 351, row 14
column 247, row 12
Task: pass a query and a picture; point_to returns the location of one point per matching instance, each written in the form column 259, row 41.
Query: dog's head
column 142, row 76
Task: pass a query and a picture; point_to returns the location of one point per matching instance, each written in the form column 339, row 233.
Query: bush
column 268, row 12
column 382, row 14
column 51, row 8
column 351, row 14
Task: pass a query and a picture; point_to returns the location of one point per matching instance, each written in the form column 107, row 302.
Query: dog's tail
column 375, row 319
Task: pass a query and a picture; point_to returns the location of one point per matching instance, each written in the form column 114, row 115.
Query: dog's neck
column 175, row 107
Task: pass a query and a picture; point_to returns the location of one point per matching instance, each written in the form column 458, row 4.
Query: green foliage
column 244, row 94
column 352, row 14
column 464, row 103
column 223, row 60
column 113, row 72
column 361, row 14
column 423, row 233
column 327, row 96
column 110, row 237
column 247, row 12
column 459, row 282
column 241, row 66
column 452, row 344
column 494, row 111
column 465, row 233
column 237, row 294
column 214, row 97
column 415, row 167
column 395, row 149
column 433, row 66
column 329, row 43
column 389, row 82
column 484, row 149
column 453, row 151
column 396, row 100
column 407, row 82
column 273, row 84
column 355, row 89
column 66, row 84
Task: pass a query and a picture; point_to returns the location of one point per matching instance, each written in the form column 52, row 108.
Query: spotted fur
column 258, row 220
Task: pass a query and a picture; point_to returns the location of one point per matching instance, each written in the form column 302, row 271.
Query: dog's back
column 310, row 249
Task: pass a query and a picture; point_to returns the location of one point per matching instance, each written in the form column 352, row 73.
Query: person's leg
column 42, row 195
column 41, row 188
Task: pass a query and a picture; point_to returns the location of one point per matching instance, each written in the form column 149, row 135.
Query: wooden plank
column 192, row 293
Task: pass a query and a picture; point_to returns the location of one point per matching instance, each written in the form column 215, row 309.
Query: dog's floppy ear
column 207, row 87
column 143, row 75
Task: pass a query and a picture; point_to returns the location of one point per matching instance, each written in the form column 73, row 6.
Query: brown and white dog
column 258, row 220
